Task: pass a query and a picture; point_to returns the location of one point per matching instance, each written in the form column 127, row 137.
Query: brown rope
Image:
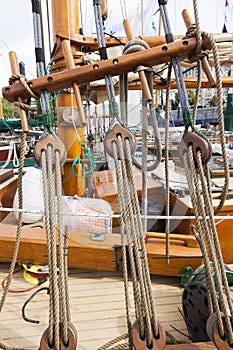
column 167, row 186
column 131, row 221
column 59, row 310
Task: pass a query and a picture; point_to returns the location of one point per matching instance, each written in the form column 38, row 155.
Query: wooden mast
column 65, row 16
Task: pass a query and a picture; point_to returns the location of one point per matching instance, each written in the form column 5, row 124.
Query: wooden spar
column 92, row 43
column 66, row 18
column 191, row 83
column 142, row 75
column 15, row 70
column 116, row 66
column 70, row 64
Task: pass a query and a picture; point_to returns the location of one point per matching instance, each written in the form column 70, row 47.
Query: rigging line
column 5, row 44
column 8, row 48
column 123, row 9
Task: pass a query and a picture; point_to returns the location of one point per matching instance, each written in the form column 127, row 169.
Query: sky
column 16, row 25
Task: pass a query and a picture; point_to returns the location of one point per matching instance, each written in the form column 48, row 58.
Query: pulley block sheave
column 72, row 339
column 213, row 332
column 124, row 133
column 158, row 342
column 50, row 139
column 198, row 143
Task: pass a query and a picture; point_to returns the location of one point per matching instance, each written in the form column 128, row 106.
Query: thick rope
column 134, row 46
column 167, row 187
column 18, row 235
column 202, row 224
column 128, row 202
column 49, row 184
column 112, row 344
column 59, row 309
column 61, row 234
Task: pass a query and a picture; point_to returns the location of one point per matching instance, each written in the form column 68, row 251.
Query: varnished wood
column 65, row 17
column 117, row 66
column 15, row 71
column 106, row 188
column 144, row 82
column 70, row 64
column 86, row 253
column 92, row 43
column 8, row 188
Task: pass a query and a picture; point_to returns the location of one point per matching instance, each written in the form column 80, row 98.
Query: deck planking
column 97, row 308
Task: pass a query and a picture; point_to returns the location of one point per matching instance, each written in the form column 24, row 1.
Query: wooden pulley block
column 198, row 143
column 111, row 136
column 55, row 142
column 72, row 336
column 213, row 333
column 158, row 343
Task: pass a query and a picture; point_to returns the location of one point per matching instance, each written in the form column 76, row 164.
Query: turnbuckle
column 198, row 143
column 113, row 133
column 213, row 333
column 72, row 339
column 158, row 342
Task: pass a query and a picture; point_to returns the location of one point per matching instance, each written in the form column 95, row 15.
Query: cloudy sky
column 16, row 28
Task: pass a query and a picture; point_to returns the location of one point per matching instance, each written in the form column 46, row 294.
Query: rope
column 167, row 185
column 49, row 200
column 59, row 309
column 131, row 47
column 23, row 81
column 197, row 175
column 113, row 342
column 18, row 236
column 133, row 230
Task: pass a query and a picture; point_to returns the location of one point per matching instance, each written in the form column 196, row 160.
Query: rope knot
column 22, row 79
column 199, row 53
column 134, row 46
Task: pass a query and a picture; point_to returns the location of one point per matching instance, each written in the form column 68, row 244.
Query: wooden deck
column 97, row 307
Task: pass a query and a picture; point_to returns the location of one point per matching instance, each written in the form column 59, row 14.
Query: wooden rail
column 116, row 66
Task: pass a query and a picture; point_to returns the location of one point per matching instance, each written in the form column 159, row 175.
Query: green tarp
column 12, row 124
column 228, row 115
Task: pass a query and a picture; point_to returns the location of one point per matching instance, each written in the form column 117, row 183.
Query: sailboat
column 99, row 252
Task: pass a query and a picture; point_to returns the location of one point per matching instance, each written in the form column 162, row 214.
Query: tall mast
column 65, row 15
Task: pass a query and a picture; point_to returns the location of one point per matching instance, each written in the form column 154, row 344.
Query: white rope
column 158, row 217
